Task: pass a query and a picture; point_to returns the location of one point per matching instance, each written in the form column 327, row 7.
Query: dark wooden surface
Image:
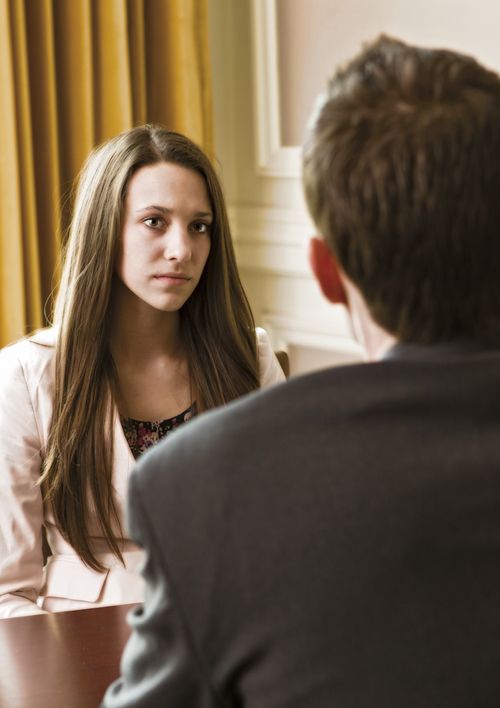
column 61, row 660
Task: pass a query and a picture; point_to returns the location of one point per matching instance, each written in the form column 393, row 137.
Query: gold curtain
column 72, row 74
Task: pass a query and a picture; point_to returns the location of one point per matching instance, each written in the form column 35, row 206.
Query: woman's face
column 165, row 238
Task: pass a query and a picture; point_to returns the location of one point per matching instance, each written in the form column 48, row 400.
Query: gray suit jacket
column 334, row 541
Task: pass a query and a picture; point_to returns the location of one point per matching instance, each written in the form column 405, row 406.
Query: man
column 335, row 541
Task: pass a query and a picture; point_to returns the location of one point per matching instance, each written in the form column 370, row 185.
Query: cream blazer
column 64, row 583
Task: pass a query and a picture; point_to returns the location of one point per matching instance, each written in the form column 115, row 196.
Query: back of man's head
column 402, row 177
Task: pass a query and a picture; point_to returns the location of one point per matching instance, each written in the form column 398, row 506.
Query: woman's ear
column 326, row 270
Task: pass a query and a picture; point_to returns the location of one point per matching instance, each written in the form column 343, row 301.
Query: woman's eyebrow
column 154, row 206
column 166, row 210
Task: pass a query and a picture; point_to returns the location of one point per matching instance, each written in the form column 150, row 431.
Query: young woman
column 151, row 327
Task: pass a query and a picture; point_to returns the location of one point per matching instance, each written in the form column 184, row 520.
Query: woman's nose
column 178, row 244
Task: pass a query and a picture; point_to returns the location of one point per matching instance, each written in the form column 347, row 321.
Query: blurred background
column 237, row 76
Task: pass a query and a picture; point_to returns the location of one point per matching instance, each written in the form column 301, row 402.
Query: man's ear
column 326, row 270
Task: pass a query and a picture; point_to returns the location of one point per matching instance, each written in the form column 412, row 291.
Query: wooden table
column 61, row 660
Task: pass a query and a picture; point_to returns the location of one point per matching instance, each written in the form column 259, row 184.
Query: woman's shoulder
column 269, row 369
column 262, row 337
column 264, row 348
column 32, row 353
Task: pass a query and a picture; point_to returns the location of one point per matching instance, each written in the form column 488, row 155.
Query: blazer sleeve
column 270, row 372
column 21, row 508
column 159, row 666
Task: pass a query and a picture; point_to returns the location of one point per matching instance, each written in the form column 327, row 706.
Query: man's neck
column 375, row 340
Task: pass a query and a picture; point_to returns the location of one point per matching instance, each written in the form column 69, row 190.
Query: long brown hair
column 216, row 325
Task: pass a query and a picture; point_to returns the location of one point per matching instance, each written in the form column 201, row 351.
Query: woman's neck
column 140, row 334
column 152, row 373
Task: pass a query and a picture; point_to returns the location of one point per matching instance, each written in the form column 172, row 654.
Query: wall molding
column 285, row 226
column 273, row 158
column 271, row 240
column 287, row 261
column 332, row 334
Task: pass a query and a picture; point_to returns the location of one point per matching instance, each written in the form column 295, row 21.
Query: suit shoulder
column 256, row 416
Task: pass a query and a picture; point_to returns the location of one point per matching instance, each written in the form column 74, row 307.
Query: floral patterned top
column 142, row 434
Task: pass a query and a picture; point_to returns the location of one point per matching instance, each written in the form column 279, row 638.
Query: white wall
column 315, row 36
column 260, row 114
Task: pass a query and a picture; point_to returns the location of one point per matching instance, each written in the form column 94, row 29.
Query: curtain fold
column 72, row 74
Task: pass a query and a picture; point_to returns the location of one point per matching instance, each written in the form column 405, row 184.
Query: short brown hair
column 402, row 177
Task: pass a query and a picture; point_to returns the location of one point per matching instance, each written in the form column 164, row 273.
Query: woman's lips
column 172, row 278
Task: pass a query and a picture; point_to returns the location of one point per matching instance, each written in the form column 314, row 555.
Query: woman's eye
column 154, row 222
column 201, row 227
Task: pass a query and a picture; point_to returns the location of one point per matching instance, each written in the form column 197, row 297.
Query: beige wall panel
column 270, row 58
